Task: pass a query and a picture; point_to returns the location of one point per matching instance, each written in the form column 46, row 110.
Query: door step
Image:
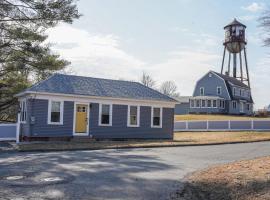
column 82, row 139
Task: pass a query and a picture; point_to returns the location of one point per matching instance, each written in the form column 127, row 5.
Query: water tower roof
column 235, row 23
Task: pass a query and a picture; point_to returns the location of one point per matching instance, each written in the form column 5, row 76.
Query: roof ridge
column 155, row 90
column 97, row 78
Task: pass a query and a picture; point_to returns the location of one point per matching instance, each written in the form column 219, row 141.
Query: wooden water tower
column 235, row 45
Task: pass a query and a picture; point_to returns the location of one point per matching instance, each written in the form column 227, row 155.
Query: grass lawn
column 214, row 117
column 180, row 139
column 243, row 180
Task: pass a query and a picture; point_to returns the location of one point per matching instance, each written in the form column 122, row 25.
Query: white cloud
column 259, row 77
column 254, row 7
column 185, row 67
column 93, row 54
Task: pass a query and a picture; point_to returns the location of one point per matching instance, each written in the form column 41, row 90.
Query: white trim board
column 105, row 100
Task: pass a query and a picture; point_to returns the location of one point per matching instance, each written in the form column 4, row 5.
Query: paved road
column 112, row 174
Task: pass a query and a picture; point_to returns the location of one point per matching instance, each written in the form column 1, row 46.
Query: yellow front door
column 81, row 118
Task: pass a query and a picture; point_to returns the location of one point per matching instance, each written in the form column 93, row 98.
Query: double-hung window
column 156, row 120
column 219, row 90
column 105, row 114
column 133, row 116
column 209, row 103
column 23, row 111
column 234, row 105
column 203, row 103
column 55, row 112
column 202, row 91
column 214, row 103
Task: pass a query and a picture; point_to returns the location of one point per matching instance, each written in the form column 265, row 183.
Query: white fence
column 8, row 132
column 226, row 125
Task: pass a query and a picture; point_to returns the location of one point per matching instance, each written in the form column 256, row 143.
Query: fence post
column 18, row 129
column 229, row 124
column 207, row 125
column 186, row 125
column 252, row 124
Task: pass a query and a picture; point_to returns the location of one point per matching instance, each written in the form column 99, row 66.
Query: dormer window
column 202, row 91
column 210, row 75
column 219, row 90
column 234, row 91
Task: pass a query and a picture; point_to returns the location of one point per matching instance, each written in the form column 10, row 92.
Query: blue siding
column 181, row 109
column 40, row 128
column 119, row 129
column 210, row 85
column 7, row 131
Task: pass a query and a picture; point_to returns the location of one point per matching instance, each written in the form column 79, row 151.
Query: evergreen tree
column 24, row 56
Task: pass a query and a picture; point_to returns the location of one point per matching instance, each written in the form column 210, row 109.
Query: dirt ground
column 243, row 180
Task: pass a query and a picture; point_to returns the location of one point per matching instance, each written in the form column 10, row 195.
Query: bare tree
column 169, row 88
column 265, row 24
column 147, row 80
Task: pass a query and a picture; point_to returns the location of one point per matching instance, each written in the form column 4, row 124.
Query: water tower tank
column 235, row 36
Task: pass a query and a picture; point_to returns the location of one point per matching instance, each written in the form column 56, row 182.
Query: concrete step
column 82, row 139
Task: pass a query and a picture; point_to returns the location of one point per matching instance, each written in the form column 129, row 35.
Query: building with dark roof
column 219, row 93
column 71, row 106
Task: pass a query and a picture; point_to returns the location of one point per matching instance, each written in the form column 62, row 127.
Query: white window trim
column 61, row 112
column 138, row 116
column 99, row 114
column 205, row 102
column 202, row 88
column 196, row 100
column 213, row 104
column 25, row 109
column 241, row 107
column 235, row 105
column 193, row 103
column 219, row 87
column 152, row 115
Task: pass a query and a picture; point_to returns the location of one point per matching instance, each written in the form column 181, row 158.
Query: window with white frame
column 202, row 91
column 209, row 103
column 192, row 104
column 234, row 91
column 214, row 103
column 203, row 103
column 218, row 90
column 23, row 111
column 197, row 103
column 248, row 106
column 55, row 114
column 156, row 117
column 234, row 105
column 134, row 116
column 105, row 114
column 241, row 107
column 221, row 103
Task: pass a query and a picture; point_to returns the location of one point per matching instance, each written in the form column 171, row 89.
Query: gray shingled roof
column 234, row 81
column 79, row 85
column 235, row 22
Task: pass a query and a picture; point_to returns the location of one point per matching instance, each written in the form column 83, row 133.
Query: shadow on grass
column 223, row 191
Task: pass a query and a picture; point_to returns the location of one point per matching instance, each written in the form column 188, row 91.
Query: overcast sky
column 178, row 40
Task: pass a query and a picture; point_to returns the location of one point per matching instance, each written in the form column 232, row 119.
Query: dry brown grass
column 180, row 139
column 220, row 137
column 214, row 117
column 243, row 180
